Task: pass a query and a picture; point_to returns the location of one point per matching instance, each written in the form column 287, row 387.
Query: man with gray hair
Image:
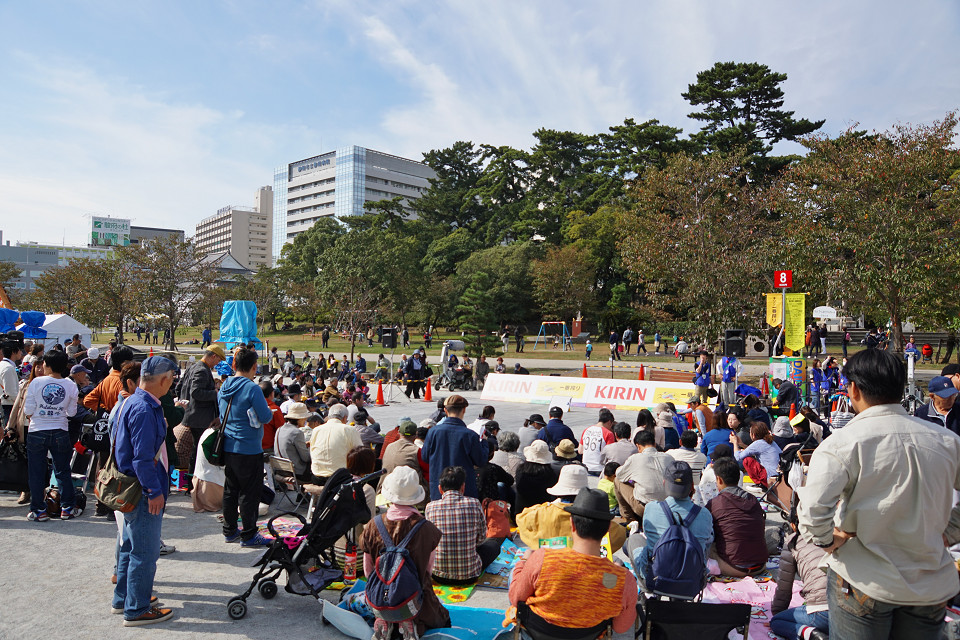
column 330, row 443
column 199, row 391
column 140, row 450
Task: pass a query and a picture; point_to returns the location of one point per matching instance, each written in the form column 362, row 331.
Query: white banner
column 585, row 392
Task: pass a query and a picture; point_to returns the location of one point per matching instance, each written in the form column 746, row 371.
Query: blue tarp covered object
column 32, row 325
column 238, row 324
column 8, row 319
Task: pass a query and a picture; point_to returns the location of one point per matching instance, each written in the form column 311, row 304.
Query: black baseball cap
column 950, row 370
column 678, row 479
column 537, row 418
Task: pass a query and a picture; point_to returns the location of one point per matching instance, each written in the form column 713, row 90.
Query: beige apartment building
column 245, row 232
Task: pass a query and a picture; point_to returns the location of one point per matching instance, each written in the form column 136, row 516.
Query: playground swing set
column 557, row 331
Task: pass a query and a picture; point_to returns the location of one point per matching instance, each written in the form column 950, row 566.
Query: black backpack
column 96, row 436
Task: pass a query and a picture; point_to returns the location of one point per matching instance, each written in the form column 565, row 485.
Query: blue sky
column 166, row 111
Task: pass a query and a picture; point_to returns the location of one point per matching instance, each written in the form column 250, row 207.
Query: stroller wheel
column 451, row 387
column 436, row 386
column 267, row 589
column 236, row 608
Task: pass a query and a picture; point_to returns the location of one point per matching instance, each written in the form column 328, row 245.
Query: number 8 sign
column 783, row 279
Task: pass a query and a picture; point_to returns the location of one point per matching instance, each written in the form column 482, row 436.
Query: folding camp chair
column 81, row 465
column 678, row 619
column 285, row 479
column 529, row 624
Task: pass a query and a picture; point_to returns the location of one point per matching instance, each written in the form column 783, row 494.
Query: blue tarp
column 8, row 319
column 32, row 325
column 238, row 324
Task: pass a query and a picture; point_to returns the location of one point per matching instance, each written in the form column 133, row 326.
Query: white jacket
column 9, row 382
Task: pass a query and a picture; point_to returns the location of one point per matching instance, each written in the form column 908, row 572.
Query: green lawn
column 299, row 343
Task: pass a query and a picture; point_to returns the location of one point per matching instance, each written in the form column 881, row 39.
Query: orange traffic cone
column 641, row 374
column 380, row 401
column 793, row 411
column 151, row 352
column 584, row 374
column 428, row 394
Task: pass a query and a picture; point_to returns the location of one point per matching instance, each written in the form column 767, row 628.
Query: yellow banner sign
column 774, row 308
column 795, row 315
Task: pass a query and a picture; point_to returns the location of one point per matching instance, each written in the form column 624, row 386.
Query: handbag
column 13, row 466
column 842, row 414
column 212, row 445
column 115, row 489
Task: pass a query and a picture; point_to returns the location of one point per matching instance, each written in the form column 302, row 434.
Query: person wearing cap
column 639, row 481
column 565, row 454
column 552, row 520
column 402, row 490
column 140, row 450
column 81, row 377
column 942, row 408
column 878, row 498
column 104, row 395
column 550, row 586
column 787, row 395
column 97, row 366
column 289, row 442
column 952, row 371
column 555, row 430
column 531, row 427
column 677, row 483
column 403, row 451
column 294, row 394
column 452, row 444
column 699, row 416
column 199, row 391
column 245, row 410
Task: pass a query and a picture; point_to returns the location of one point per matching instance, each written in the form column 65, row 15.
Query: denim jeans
column 787, row 624
column 57, row 442
column 856, row 616
column 139, row 551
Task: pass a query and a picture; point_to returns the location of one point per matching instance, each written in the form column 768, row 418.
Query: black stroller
column 339, row 508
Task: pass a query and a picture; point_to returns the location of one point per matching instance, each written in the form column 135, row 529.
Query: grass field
column 338, row 346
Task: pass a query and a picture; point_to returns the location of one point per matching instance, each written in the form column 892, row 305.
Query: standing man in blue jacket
column 141, row 451
column 451, row 444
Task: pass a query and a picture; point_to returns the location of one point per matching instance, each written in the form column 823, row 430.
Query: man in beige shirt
column 640, row 479
column 330, row 443
column 878, row 498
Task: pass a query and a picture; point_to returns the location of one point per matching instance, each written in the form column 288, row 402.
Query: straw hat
column 402, row 487
column 298, row 410
column 538, row 452
column 573, row 477
column 566, row 449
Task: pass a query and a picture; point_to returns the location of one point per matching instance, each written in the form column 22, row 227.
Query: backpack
column 393, row 590
column 677, row 566
column 96, row 436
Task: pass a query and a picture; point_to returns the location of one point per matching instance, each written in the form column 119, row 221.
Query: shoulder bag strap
column 226, row 414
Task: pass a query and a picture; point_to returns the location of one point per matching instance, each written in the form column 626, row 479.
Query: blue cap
column 157, row 365
column 943, row 387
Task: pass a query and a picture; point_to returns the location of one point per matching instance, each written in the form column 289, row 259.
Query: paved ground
column 57, row 574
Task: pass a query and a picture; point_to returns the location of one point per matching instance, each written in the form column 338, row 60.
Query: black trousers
column 414, row 387
column 241, row 491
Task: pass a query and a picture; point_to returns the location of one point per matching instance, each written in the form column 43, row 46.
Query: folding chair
column 677, row 619
column 285, row 478
column 81, row 464
column 530, row 624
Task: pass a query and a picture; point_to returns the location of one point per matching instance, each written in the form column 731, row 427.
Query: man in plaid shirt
column 464, row 549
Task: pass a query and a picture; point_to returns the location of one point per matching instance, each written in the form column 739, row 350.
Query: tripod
column 389, row 398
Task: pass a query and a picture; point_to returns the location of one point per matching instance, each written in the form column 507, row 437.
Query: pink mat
column 758, row 595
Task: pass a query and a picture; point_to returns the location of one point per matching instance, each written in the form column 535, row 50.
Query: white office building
column 245, row 232
column 337, row 183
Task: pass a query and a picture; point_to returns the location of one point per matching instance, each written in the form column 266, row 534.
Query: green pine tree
column 475, row 318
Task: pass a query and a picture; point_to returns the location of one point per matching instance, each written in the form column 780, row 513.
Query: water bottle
column 350, row 563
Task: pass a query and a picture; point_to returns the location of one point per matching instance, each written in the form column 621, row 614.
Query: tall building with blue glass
column 337, row 183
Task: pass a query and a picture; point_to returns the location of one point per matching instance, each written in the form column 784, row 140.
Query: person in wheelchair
column 550, row 587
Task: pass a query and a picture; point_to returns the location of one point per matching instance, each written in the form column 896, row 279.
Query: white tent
column 62, row 327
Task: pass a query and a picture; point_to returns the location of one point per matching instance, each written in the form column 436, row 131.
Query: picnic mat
column 467, row 623
column 283, row 526
column 497, row 574
column 759, row 595
column 453, row 595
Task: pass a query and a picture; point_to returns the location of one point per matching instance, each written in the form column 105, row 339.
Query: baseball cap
column 942, row 386
column 536, row 418
column 157, row 365
column 951, row 369
column 77, row 368
column 93, row 353
column 217, row 350
column 407, row 427
column 678, row 479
